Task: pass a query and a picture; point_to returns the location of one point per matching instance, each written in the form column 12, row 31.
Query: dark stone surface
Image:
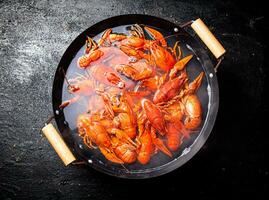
column 34, row 35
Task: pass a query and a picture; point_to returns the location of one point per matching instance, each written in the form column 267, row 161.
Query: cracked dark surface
column 34, row 35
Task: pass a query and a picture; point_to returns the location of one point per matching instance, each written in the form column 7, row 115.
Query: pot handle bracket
column 208, row 38
column 58, row 143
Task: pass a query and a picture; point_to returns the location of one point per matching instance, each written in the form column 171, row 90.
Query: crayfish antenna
column 125, row 167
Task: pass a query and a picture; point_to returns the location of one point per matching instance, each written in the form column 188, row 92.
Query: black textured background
column 34, row 35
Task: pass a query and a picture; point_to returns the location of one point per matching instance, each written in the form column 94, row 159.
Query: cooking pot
column 69, row 145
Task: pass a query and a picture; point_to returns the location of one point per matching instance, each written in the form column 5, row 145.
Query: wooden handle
column 58, row 144
column 208, row 38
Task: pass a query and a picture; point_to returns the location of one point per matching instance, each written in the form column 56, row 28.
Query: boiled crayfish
column 141, row 100
column 114, row 148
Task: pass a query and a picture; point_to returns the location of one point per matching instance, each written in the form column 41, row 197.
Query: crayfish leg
column 110, row 155
column 192, row 123
column 88, row 142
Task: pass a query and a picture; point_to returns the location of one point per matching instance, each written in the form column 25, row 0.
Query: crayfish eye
column 121, row 85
